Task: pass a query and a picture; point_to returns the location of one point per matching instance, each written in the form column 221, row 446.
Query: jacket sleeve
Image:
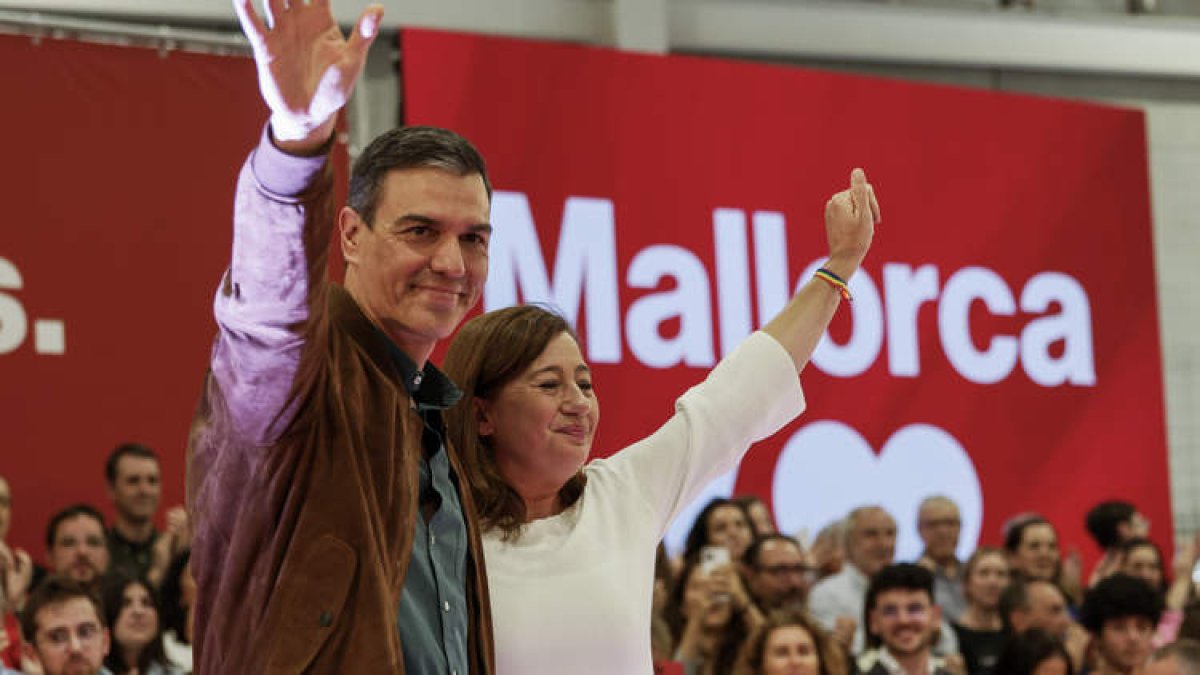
column 272, row 295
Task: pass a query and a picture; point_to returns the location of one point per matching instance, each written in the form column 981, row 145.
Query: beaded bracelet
column 835, row 281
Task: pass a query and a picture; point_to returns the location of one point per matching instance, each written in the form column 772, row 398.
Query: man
column 1181, row 657
column 939, row 524
column 331, row 534
column 870, row 543
column 1112, row 523
column 134, row 488
column 1037, row 603
column 63, row 631
column 76, row 546
column 902, row 618
column 780, row 573
column 1121, row 613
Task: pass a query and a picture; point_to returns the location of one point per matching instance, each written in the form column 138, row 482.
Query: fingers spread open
column 252, row 25
column 366, row 29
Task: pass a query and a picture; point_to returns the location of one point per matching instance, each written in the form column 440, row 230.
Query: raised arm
column 850, row 218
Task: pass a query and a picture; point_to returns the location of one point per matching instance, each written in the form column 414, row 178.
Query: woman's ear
column 483, row 417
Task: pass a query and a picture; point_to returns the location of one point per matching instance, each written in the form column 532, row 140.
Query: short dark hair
column 1104, row 518
column 1118, row 596
column 755, row 548
column 1186, row 653
column 71, row 512
column 897, row 576
column 52, row 591
column 120, row 452
column 1023, row 653
column 410, row 148
column 1015, row 533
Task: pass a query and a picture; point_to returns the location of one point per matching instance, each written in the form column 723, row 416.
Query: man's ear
column 483, row 417
column 351, row 228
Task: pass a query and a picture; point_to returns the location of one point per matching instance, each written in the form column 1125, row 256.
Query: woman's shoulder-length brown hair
column 488, row 352
column 750, row 662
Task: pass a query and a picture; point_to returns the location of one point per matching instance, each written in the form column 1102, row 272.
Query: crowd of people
column 110, row 597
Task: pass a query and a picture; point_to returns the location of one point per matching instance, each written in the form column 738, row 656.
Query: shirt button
column 432, row 539
column 446, row 606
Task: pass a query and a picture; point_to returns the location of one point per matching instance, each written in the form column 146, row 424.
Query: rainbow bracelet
column 835, row 281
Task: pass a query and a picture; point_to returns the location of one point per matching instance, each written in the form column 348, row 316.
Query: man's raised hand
column 306, row 67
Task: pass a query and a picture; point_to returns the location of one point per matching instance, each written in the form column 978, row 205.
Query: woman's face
column 541, row 424
column 1037, row 553
column 790, row 650
column 137, row 622
column 728, row 527
column 1142, row 562
column 988, row 578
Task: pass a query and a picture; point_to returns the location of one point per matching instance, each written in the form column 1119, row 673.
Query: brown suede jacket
column 303, row 457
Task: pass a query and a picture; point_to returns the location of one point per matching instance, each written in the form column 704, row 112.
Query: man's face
column 421, row 265
column 782, row 576
column 80, row 549
column 904, row 620
column 873, row 542
column 5, row 509
column 939, row 525
column 1037, row 552
column 135, row 491
column 70, row 639
column 1047, row 610
column 1125, row 642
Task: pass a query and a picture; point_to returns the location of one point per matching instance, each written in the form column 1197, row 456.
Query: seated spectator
column 1111, row 524
column 722, row 523
column 63, row 629
column 779, row 572
column 76, row 545
column 1040, row 604
column 939, row 524
column 902, row 621
column 1178, row 658
column 790, row 643
column 1120, row 613
column 760, row 514
column 837, row 602
column 710, row 614
column 131, row 612
column 1034, row 652
column 979, row 628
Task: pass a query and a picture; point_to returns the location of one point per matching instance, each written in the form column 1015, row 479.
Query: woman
column 570, row 548
column 760, row 514
column 131, row 610
column 722, row 522
column 178, row 597
column 980, row 628
column 1034, row 652
column 1142, row 558
column 710, row 615
column 790, row 643
column 1032, row 546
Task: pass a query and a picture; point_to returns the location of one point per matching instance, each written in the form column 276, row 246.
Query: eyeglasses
column 895, row 611
column 60, row 638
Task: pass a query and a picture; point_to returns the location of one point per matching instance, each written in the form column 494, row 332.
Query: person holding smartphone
column 569, row 548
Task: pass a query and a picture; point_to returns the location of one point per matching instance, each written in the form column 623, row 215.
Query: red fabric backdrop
column 118, row 195
column 1005, row 401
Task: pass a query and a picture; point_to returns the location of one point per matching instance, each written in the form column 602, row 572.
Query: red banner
column 119, row 192
column 1003, row 344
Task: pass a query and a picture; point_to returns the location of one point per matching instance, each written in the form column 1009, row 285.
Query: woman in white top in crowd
column 570, row 548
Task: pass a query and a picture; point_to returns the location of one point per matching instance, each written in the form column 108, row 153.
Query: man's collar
column 893, row 666
column 428, row 386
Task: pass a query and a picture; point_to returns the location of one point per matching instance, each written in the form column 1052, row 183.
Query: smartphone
column 713, row 557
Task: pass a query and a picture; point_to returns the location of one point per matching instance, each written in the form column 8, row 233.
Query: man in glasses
column 780, row 572
column 63, row 631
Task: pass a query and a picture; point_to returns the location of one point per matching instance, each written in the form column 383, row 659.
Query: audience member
column 837, row 602
column 902, row 621
column 16, row 572
column 979, row 629
column 1041, row 604
column 76, row 546
column 63, row 630
column 1032, row 546
column 722, row 522
column 780, row 574
column 1111, row 523
column 760, row 514
column 939, row 524
column 829, row 550
column 135, row 490
column 1178, row 658
column 790, row 643
column 1120, row 612
column 710, row 614
column 1034, row 652
column 131, row 612
column 178, row 597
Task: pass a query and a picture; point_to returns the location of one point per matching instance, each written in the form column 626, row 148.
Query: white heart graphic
column 827, row 468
